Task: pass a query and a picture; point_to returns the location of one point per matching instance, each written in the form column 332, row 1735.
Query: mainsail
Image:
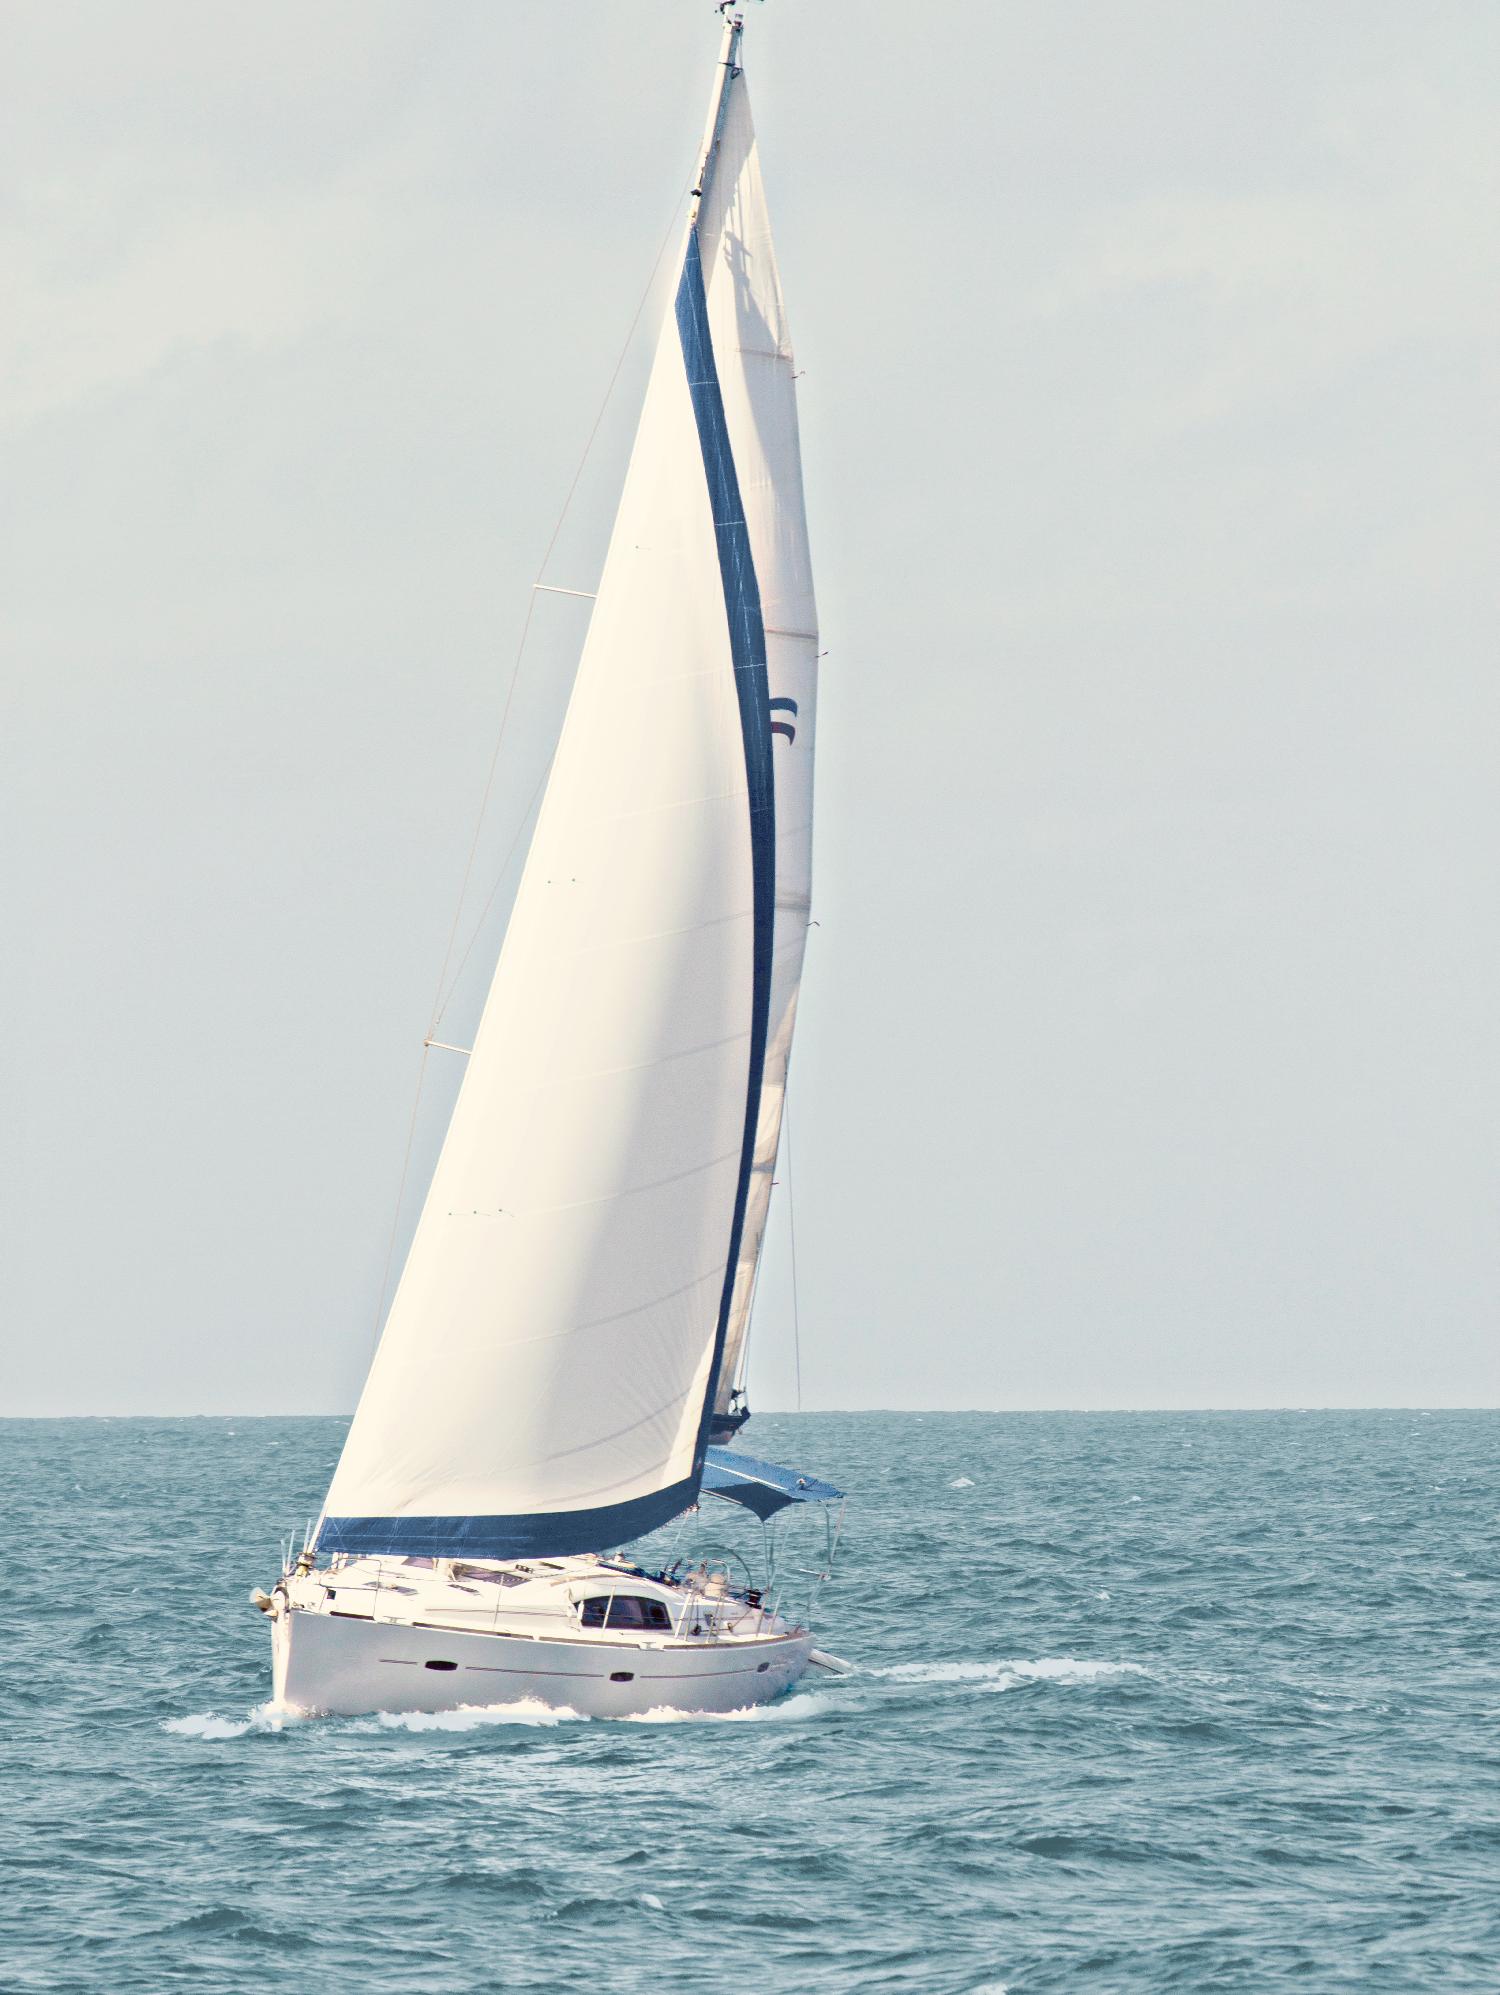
column 568, row 1327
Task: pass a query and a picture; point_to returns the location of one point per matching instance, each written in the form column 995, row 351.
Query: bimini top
column 761, row 1486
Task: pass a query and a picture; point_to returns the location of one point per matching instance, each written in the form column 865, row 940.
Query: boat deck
column 583, row 1598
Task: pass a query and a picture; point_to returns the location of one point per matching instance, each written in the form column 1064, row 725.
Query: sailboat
column 562, row 1364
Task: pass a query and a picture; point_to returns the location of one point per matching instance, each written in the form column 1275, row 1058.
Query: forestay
column 576, row 1293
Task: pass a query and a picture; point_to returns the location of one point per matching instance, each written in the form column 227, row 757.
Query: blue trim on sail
column 544, row 1534
column 747, row 645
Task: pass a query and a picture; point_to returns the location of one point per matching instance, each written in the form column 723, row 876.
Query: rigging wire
column 441, row 1001
column 390, row 1245
column 791, row 1227
column 484, row 912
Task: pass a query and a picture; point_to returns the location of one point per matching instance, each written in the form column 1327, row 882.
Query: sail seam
column 620, row 1315
column 631, row 1191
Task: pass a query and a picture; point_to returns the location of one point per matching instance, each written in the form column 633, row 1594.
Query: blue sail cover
column 761, row 1486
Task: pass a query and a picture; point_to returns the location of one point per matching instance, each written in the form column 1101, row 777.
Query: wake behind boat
column 568, row 1336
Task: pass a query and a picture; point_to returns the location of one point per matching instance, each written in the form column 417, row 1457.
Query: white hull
column 328, row 1664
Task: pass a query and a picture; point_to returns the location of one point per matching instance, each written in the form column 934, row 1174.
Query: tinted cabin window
column 625, row 1611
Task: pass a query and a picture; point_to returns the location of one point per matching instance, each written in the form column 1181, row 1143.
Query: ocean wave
column 267, row 1717
column 1006, row 1675
column 471, row 1717
column 1307, row 1691
column 272, row 1717
column 801, row 1706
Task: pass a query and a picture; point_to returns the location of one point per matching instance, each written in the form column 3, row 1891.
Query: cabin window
column 491, row 1578
column 625, row 1610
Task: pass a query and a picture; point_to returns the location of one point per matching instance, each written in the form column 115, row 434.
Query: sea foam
column 267, row 1717
column 473, row 1717
column 1006, row 1675
column 801, row 1706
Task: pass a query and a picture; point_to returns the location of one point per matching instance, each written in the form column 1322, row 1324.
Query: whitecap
column 470, row 1717
column 267, row 1717
column 964, row 1482
column 272, row 1717
column 650, row 1898
column 204, row 1725
column 801, row 1706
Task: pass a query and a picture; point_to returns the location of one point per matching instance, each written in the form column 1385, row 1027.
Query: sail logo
column 784, row 726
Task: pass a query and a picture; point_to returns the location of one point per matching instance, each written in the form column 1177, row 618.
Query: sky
column 1147, row 1053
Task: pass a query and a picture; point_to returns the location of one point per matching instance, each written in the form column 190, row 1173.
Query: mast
column 734, row 27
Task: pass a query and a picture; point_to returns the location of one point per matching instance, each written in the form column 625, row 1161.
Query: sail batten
column 571, row 1315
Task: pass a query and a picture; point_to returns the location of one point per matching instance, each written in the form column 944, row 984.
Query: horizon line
column 858, row 1412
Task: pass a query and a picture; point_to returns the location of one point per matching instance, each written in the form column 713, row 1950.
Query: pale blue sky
column 1147, row 1055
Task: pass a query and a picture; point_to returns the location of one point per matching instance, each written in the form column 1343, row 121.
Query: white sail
column 546, row 1378
column 753, row 348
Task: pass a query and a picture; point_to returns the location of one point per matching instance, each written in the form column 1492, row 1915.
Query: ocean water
column 1144, row 1703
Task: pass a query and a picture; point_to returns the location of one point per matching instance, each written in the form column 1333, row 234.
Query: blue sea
column 1144, row 1702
